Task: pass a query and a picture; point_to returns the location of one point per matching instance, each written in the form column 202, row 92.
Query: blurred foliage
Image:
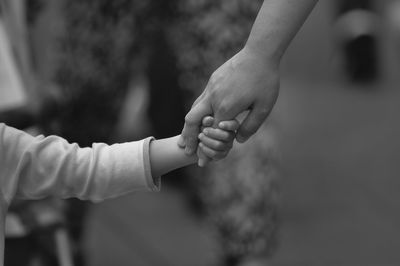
column 103, row 39
column 241, row 193
column 33, row 9
column 106, row 41
column 103, row 44
column 208, row 33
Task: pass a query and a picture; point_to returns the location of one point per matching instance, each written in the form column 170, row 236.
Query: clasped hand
column 246, row 82
column 215, row 142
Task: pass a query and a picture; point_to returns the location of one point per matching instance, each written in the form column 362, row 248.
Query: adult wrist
column 268, row 63
column 259, row 50
column 269, row 59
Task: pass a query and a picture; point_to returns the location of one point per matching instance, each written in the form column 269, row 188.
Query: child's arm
column 36, row 167
column 165, row 156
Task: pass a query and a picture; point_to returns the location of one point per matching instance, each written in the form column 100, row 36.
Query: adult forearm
column 276, row 24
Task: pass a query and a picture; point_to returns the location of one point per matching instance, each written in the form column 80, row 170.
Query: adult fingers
column 203, row 159
column 252, row 122
column 181, row 139
column 192, row 125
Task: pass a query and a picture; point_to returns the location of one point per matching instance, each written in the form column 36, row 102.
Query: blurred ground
column 340, row 190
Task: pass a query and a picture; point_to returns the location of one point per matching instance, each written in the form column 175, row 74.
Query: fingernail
column 201, row 162
column 240, row 138
column 221, row 125
column 201, row 135
column 205, row 131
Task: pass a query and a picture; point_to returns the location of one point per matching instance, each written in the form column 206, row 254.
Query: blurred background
column 317, row 185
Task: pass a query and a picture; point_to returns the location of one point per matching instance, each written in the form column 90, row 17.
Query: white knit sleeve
column 36, row 167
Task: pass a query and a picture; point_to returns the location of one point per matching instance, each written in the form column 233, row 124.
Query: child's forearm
column 165, row 156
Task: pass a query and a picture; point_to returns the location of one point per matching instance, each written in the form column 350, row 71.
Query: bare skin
column 249, row 81
column 166, row 155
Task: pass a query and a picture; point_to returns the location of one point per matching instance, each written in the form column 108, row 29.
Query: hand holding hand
column 245, row 82
column 215, row 143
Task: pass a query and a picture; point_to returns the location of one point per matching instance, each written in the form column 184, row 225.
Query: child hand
column 216, row 143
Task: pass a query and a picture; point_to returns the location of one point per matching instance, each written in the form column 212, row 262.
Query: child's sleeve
column 36, row 167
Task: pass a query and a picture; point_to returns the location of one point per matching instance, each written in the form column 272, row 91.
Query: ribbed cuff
column 154, row 183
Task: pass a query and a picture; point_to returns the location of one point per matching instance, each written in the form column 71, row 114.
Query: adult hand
column 247, row 81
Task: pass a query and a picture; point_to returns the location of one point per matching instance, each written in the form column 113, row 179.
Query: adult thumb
column 252, row 123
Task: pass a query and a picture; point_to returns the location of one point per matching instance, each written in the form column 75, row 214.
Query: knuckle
column 213, row 79
column 189, row 120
